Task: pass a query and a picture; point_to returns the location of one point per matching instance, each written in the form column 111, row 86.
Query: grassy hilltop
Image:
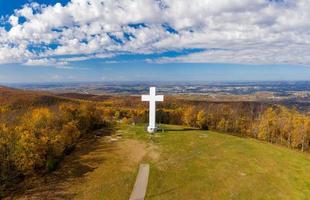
column 185, row 164
column 196, row 164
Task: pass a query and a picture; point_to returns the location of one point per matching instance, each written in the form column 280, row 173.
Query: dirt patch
column 133, row 150
column 153, row 152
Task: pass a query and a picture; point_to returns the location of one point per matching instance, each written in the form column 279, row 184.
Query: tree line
column 272, row 123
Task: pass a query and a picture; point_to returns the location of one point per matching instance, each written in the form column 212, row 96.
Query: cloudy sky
column 136, row 40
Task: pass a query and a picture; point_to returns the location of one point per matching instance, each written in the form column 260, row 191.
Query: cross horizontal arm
column 159, row 98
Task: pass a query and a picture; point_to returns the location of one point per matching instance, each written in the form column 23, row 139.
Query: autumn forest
column 37, row 130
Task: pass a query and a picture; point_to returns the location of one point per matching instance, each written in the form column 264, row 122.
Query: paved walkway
column 139, row 189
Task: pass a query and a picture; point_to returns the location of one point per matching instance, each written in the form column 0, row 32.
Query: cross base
column 151, row 129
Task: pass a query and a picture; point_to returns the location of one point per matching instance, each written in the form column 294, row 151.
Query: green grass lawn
column 185, row 164
column 195, row 164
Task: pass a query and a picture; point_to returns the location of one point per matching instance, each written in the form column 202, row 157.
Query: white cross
column 152, row 98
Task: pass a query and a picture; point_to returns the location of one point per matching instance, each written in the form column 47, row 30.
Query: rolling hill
column 17, row 98
column 185, row 164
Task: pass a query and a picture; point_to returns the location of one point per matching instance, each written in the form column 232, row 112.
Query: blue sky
column 93, row 71
column 106, row 40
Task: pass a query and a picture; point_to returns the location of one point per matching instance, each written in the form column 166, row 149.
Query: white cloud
column 13, row 20
column 64, row 67
column 14, row 53
column 46, row 62
column 244, row 56
column 242, row 31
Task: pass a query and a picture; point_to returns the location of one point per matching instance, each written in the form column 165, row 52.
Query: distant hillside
column 17, row 98
column 90, row 97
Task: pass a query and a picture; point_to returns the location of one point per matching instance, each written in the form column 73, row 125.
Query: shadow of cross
column 139, row 189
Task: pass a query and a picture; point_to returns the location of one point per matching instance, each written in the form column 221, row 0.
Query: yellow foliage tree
column 267, row 125
column 190, row 116
column 202, row 119
column 68, row 137
column 35, row 133
column 222, row 125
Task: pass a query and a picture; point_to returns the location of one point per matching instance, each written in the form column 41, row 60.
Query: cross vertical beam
column 152, row 98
